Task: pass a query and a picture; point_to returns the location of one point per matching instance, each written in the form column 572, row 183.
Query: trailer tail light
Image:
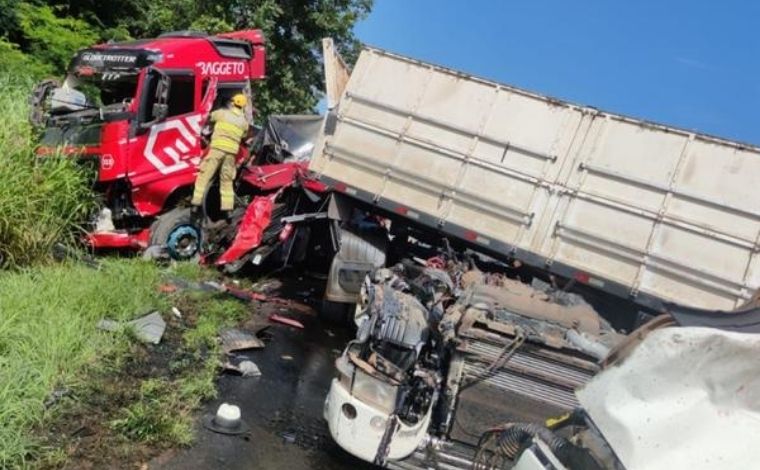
column 581, row 277
column 585, row 278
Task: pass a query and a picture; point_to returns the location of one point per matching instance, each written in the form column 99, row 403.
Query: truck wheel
column 337, row 313
column 177, row 233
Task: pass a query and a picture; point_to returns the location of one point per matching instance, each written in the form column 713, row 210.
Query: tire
column 337, row 313
column 175, row 231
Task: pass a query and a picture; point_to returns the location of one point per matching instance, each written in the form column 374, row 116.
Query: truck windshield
column 95, row 91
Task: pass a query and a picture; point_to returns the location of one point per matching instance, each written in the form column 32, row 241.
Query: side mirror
column 160, row 111
column 161, row 105
column 158, row 85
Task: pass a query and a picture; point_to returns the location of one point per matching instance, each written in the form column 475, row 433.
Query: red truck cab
column 136, row 110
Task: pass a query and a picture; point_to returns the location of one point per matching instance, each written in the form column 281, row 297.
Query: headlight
column 374, row 392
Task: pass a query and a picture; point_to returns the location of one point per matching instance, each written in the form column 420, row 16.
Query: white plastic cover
column 686, row 398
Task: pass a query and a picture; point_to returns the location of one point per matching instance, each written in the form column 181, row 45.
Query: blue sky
column 692, row 64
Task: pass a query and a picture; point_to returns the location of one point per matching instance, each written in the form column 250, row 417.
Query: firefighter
column 230, row 128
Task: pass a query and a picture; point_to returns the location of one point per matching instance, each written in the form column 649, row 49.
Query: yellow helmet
column 240, row 100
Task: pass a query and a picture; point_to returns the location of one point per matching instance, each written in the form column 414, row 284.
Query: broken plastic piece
column 286, row 321
column 149, row 328
column 249, row 369
column 167, row 288
column 176, row 312
column 245, row 368
column 237, row 340
column 226, row 421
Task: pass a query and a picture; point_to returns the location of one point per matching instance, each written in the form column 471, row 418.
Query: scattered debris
column 286, row 321
column 267, row 286
column 177, row 313
column 234, row 339
column 167, row 288
column 246, row 368
column 55, row 396
column 226, row 421
column 149, row 328
column 240, row 294
column 249, row 369
column 289, row 437
column 179, row 283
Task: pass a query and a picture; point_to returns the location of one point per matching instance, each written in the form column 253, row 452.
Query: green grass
column 48, row 335
column 42, row 200
column 49, row 341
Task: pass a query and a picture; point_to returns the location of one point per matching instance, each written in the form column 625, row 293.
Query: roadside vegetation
column 42, row 200
column 73, row 394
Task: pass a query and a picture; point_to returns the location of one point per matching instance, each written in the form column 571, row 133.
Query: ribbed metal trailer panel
column 641, row 210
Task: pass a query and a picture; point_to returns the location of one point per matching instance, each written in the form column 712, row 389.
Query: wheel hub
column 183, row 242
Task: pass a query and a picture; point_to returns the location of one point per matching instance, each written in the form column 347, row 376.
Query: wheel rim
column 183, row 242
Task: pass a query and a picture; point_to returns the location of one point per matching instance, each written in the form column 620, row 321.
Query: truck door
column 166, row 149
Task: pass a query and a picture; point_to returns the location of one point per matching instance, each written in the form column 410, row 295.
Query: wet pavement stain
column 283, row 407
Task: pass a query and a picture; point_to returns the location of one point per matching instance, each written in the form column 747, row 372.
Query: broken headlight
column 374, row 392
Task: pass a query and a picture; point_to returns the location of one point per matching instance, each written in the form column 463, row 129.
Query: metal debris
column 246, row 368
column 286, row 321
column 249, row 369
column 149, row 328
column 234, row 339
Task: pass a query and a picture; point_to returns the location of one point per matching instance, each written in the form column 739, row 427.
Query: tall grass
column 48, row 336
column 41, row 199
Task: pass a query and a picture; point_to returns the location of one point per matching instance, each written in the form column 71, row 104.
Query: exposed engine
column 466, row 353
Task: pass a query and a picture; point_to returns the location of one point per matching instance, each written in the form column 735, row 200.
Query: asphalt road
column 283, row 407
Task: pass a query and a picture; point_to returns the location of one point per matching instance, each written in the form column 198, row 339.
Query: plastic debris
column 286, row 321
column 167, row 288
column 176, row 312
column 149, row 328
column 226, row 421
column 234, row 339
column 289, row 437
column 249, row 369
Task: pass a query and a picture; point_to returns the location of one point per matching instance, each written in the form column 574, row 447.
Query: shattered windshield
column 94, row 91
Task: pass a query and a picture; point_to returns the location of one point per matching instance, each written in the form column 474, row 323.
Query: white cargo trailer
column 641, row 210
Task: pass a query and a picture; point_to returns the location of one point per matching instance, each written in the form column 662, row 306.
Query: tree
column 293, row 28
column 51, row 30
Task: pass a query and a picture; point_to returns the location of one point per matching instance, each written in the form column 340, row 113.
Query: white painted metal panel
column 655, row 211
column 686, row 398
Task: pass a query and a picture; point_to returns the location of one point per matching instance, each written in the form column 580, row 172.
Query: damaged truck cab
column 136, row 111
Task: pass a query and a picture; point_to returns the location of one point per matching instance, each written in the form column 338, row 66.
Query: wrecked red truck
column 136, row 111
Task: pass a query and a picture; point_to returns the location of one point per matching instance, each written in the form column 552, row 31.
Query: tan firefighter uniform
column 230, row 127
